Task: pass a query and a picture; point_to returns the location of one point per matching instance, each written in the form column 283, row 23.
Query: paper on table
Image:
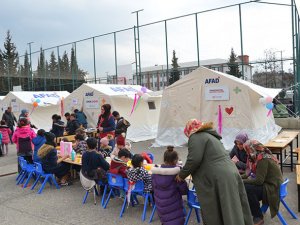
column 279, row 141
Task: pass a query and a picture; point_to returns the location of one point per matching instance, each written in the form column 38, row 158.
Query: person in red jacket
column 118, row 164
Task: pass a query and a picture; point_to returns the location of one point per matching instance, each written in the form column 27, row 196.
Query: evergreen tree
column 10, row 59
column 65, row 66
column 26, row 67
column 2, row 69
column 41, row 64
column 233, row 65
column 53, row 69
column 174, row 76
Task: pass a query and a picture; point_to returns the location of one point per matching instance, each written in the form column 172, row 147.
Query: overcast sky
column 50, row 23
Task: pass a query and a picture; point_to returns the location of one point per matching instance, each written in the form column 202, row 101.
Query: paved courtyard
column 63, row 206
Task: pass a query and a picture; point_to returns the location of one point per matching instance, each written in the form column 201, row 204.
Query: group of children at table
column 161, row 182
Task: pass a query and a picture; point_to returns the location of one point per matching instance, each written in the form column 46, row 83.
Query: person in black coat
column 94, row 166
column 73, row 125
column 121, row 124
column 238, row 155
column 10, row 120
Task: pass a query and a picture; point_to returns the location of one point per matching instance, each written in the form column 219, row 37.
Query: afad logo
column 89, row 93
column 212, row 80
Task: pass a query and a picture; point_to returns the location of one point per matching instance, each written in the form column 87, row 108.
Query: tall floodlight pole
column 30, row 74
column 137, row 39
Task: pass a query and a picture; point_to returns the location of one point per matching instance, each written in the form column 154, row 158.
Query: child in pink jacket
column 6, row 131
column 22, row 137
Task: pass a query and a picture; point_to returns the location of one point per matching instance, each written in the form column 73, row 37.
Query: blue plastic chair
column 137, row 190
column 115, row 183
column 26, row 170
column 283, row 194
column 193, row 203
column 48, row 177
column 22, row 171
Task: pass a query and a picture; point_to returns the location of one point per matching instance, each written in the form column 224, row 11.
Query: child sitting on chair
column 118, row 164
column 167, row 191
column 105, row 149
column 80, row 144
column 137, row 172
column 120, row 144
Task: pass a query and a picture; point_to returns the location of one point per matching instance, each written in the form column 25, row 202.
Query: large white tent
column 40, row 116
column 144, row 119
column 210, row 95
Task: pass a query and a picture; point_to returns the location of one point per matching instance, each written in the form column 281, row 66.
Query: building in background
column 155, row 77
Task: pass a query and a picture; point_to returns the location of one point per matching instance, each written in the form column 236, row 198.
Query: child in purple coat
column 167, row 192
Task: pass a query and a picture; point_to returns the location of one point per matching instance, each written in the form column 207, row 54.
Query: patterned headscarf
column 194, row 126
column 257, row 151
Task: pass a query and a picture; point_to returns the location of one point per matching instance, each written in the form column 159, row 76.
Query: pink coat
column 23, row 132
column 5, row 134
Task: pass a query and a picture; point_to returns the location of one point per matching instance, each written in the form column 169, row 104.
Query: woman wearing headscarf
column 218, row 184
column 265, row 185
column 50, row 161
column 238, row 154
column 106, row 124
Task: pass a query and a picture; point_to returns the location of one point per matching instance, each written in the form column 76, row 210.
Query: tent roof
column 46, row 97
column 116, row 89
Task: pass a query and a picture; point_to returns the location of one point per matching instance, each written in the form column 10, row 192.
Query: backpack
column 25, row 147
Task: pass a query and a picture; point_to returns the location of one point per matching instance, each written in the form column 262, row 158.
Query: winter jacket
column 80, row 147
column 6, row 131
column 81, row 118
column 58, row 128
column 105, row 151
column 38, row 141
column 23, row 132
column 268, row 175
column 241, row 155
column 91, row 161
column 108, row 125
column 72, row 126
column 117, row 166
column 9, row 118
column 121, row 126
column 139, row 173
column 168, row 195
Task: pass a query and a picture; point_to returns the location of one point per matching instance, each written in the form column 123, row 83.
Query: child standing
column 167, row 192
column 137, row 172
column 118, row 164
column 6, row 132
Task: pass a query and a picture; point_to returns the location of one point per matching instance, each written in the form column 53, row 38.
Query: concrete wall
column 288, row 123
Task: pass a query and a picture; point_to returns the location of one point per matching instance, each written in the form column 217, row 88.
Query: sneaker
column 64, row 184
column 258, row 221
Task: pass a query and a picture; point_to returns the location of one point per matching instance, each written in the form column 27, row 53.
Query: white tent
column 49, row 104
column 144, row 120
column 210, row 95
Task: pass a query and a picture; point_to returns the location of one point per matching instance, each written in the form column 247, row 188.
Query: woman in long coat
column 219, row 187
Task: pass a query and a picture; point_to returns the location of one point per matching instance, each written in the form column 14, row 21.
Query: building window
column 151, row 105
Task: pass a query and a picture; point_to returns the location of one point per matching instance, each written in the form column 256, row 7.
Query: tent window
column 151, row 105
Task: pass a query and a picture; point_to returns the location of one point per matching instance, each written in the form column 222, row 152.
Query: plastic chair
column 22, row 171
column 26, row 170
column 48, row 177
column 283, row 194
column 115, row 182
column 193, row 203
column 138, row 189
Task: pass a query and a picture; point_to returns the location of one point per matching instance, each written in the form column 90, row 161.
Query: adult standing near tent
column 265, row 185
column 121, row 124
column 10, row 120
column 218, row 184
column 81, row 117
column 106, row 124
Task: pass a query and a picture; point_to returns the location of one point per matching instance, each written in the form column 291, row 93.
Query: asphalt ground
column 64, row 206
